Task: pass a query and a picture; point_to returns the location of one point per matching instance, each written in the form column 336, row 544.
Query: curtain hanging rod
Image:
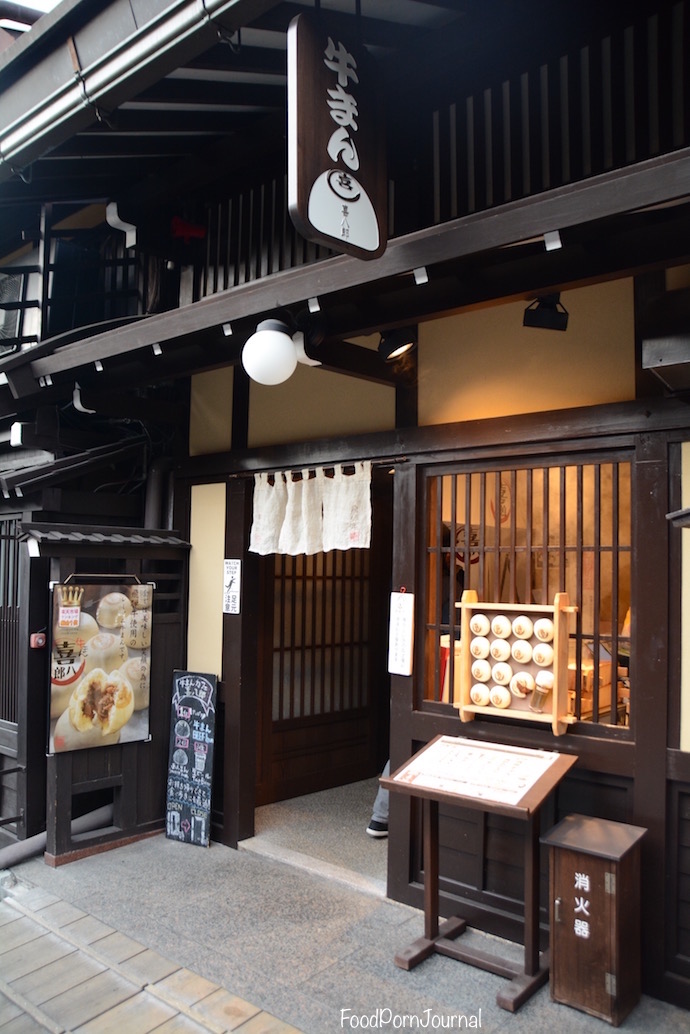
column 296, row 467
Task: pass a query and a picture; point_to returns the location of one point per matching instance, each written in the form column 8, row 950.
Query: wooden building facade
column 530, row 155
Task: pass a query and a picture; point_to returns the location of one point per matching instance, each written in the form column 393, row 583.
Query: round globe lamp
column 269, row 355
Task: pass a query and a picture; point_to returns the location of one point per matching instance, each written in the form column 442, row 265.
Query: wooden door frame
column 379, row 577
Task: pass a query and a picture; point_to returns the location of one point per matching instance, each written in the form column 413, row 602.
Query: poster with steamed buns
column 100, row 665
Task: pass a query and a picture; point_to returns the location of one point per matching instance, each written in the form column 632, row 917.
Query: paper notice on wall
column 232, row 573
column 401, row 633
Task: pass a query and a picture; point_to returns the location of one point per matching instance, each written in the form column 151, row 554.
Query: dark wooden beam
column 636, row 187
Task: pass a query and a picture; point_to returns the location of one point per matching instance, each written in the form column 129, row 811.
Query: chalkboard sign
column 190, row 765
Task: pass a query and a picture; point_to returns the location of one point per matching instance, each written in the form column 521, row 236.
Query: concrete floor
column 290, row 933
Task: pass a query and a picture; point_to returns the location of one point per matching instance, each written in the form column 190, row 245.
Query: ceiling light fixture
column 546, row 313
column 420, row 275
column 552, row 240
column 271, row 354
column 395, row 343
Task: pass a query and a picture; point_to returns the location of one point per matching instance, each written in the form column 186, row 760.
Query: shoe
column 377, row 829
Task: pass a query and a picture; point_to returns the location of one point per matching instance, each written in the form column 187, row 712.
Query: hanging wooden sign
column 336, row 151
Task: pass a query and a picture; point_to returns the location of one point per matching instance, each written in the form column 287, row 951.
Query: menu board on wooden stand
column 514, row 660
column 190, row 765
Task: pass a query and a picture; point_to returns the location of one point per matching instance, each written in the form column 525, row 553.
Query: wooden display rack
column 555, row 709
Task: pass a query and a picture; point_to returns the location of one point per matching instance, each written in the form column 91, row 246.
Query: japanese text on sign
column 232, row 574
column 190, row 765
column 581, row 908
column 401, row 633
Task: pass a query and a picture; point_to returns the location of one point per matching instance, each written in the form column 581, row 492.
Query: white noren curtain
column 312, row 514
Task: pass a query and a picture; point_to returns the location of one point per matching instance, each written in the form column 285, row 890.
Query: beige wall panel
column 316, row 403
column 485, row 363
column 207, row 536
column 210, row 417
column 678, row 278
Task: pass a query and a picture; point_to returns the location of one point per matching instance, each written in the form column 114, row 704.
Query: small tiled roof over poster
column 57, row 535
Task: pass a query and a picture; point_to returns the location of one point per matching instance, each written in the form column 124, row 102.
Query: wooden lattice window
column 520, row 534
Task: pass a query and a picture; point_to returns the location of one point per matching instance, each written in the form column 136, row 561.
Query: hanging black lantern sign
column 336, row 151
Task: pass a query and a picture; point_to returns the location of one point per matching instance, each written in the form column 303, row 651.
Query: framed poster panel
column 100, row 664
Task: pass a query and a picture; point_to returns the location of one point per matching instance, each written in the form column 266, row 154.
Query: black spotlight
column 547, row 313
column 395, row 343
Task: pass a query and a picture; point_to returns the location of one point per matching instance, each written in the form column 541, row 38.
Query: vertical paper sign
column 401, row 633
column 232, row 576
column 190, row 765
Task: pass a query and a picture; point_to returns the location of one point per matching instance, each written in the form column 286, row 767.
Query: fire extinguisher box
column 594, row 882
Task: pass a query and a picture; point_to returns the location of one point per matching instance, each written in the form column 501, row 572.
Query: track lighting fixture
column 547, row 313
column 395, row 343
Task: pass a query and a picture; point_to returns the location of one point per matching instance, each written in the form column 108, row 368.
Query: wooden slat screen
column 611, row 103
column 320, row 634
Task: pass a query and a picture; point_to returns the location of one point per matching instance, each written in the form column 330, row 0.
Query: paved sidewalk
column 61, row 969
column 163, row 936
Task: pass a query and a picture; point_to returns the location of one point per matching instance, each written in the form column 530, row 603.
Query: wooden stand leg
column 425, row 946
column 523, row 985
column 522, row 982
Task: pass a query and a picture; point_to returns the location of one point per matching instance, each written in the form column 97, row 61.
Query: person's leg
column 378, row 826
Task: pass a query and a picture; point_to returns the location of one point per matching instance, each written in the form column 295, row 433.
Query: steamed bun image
column 66, row 737
column 97, row 710
column 59, row 698
column 105, row 650
column 136, row 630
column 112, row 609
column 102, row 702
column 137, row 672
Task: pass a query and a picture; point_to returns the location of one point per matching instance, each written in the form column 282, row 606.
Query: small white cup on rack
column 542, row 654
column 522, row 627
column 502, row 673
column 479, row 624
column 543, row 629
column 479, row 694
column 501, row 626
column 500, row 696
column 479, row 646
column 481, row 670
column 500, row 649
column 521, row 651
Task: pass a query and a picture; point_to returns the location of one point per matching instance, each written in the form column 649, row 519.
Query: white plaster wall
column 313, row 403
column 207, row 536
column 316, row 403
column 484, row 363
column 210, row 413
